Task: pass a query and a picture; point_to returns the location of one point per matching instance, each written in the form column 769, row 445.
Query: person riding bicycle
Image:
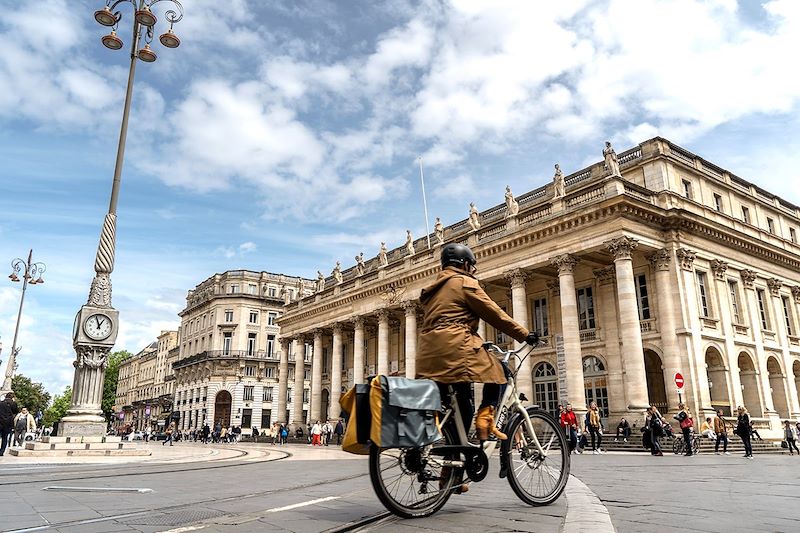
column 450, row 351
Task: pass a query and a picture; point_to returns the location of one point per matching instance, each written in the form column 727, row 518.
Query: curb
column 585, row 512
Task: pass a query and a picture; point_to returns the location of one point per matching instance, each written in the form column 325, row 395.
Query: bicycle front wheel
column 410, row 482
column 696, row 445
column 677, row 446
column 535, row 478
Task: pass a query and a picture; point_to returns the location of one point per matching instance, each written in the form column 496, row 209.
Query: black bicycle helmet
column 455, row 254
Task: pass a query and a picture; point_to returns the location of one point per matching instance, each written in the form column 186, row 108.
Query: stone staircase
column 106, row 446
column 735, row 446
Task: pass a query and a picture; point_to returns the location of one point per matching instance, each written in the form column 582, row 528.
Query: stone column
column 279, row 413
column 569, row 328
column 748, row 277
column 726, row 326
column 519, row 310
column 410, row 308
column 336, row 373
column 358, row 350
column 775, row 285
column 315, row 399
column 383, row 342
column 630, row 331
column 298, row 348
column 607, row 314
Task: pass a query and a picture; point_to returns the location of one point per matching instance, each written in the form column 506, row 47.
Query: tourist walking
column 743, row 430
column 339, row 431
column 654, row 428
column 275, row 433
column 206, row 433
column 23, row 423
column 790, row 437
column 686, row 423
column 8, row 410
column 284, row 434
column 316, row 434
column 569, row 422
column 170, row 431
column 595, row 428
column 721, row 429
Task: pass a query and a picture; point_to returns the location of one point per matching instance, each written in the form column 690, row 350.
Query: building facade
column 230, row 359
column 651, row 263
column 144, row 386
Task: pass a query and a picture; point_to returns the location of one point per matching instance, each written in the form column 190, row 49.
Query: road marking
column 184, row 529
column 98, row 489
column 302, row 504
column 585, row 511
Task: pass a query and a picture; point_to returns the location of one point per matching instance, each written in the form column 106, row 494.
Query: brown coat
column 449, row 349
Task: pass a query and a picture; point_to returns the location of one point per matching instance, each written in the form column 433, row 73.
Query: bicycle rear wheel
column 695, row 445
column 677, row 446
column 537, row 479
column 411, row 483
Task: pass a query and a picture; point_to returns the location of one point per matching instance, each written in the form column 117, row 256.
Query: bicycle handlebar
column 508, row 353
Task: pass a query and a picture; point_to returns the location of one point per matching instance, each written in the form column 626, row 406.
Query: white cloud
column 247, row 247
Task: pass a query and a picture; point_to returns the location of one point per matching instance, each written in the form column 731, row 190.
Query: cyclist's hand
column 532, row 338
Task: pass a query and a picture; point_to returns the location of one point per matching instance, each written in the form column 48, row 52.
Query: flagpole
column 424, row 202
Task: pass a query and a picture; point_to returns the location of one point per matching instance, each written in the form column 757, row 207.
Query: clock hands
column 97, row 319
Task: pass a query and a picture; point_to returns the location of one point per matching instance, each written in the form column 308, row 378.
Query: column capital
column 605, row 275
column 410, row 307
column 719, row 267
column 686, row 257
column 774, row 285
column 357, row 321
column 317, row 334
column 337, row 328
column 382, row 314
column 554, row 287
column 748, row 277
column 660, row 259
column 796, row 294
column 621, row 247
column 565, row 263
column 516, row 278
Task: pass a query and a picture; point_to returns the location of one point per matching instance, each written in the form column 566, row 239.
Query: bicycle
column 417, row 482
column 679, row 446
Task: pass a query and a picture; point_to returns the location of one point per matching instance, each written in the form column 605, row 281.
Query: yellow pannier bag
column 355, row 404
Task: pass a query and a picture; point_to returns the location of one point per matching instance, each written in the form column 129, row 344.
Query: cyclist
column 450, row 351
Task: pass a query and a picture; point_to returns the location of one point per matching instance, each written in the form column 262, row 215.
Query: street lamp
column 97, row 322
column 31, row 275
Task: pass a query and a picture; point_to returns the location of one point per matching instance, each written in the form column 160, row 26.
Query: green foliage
column 29, row 394
column 58, row 409
column 110, row 382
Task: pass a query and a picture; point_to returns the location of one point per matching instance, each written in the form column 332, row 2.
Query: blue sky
column 283, row 136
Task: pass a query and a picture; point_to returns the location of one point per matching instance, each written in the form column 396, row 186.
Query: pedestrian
column 721, row 429
column 316, row 434
column 743, row 430
column 284, row 434
column 23, row 423
column 595, row 428
column 339, row 431
column 169, row 432
column 8, row 410
column 754, row 431
column 206, row 433
column 706, row 429
column 789, row 436
column 624, row 430
column 274, row 433
column 569, row 423
column 684, row 418
column 223, row 434
column 654, row 429
column 327, row 431
column 308, row 434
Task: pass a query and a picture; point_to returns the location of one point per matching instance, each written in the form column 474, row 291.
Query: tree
column 58, row 409
column 29, row 394
column 110, row 382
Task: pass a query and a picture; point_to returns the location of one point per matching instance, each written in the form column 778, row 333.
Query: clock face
column 97, row 327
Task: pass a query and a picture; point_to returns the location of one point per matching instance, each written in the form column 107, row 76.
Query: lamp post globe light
column 30, row 274
column 97, row 322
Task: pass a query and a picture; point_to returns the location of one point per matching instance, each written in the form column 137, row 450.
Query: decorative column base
column 82, row 426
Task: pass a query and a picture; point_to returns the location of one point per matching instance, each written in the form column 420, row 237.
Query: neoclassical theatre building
column 229, row 357
column 651, row 263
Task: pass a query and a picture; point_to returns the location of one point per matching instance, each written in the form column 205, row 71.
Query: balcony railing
column 740, row 329
column 768, row 335
column 646, row 326
column 708, row 322
column 588, row 335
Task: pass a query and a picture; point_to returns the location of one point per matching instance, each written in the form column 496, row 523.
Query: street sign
column 678, row 380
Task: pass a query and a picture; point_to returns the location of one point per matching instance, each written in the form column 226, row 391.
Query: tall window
column 229, row 315
column 272, row 318
column 733, row 289
column 718, row 202
column 252, row 288
column 687, row 189
column 306, row 394
column 270, row 344
column 227, row 340
column 641, row 297
column 545, row 388
column 269, row 372
column 702, row 294
column 762, row 309
column 248, row 393
column 595, row 383
column 771, row 225
column 746, row 214
column 250, row 371
column 306, row 374
column 787, row 315
column 233, row 289
column 247, row 418
column 793, row 235
column 271, row 291
column 324, row 359
column 585, row 308
column 251, row 343
column 540, row 316
column 253, row 317
column 267, row 396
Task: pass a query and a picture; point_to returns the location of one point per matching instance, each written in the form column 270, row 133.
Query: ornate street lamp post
column 31, row 275
column 97, row 322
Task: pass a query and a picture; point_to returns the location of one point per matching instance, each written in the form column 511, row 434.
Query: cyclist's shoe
column 484, row 424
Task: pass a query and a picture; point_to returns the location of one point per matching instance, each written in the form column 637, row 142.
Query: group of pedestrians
column 580, row 437
column 15, row 423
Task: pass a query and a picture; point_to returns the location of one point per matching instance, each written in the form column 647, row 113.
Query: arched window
column 545, row 388
column 595, row 378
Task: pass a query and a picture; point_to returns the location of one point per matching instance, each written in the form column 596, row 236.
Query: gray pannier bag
column 405, row 412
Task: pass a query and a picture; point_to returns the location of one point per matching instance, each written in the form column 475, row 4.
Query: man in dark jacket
column 8, row 410
column 339, row 431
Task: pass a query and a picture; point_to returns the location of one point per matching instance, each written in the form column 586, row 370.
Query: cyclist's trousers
column 492, row 393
